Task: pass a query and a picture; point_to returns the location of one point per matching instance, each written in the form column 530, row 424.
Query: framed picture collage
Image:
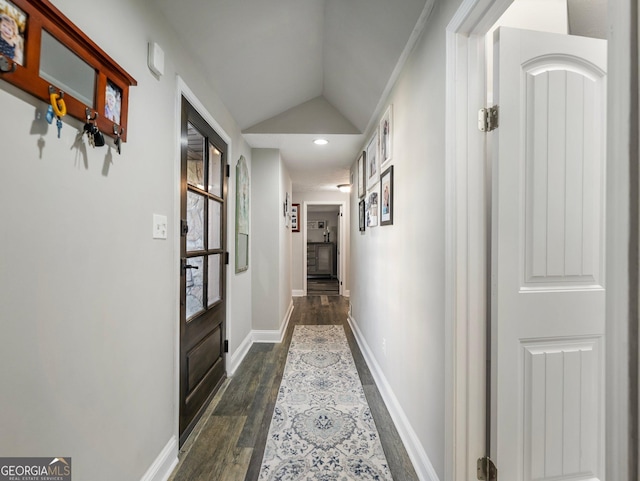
column 374, row 173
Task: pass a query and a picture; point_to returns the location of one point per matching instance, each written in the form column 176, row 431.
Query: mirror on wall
column 64, row 69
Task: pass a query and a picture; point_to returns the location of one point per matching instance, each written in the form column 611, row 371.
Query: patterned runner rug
column 322, row 429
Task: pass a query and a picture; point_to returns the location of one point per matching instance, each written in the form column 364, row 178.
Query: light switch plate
column 159, row 226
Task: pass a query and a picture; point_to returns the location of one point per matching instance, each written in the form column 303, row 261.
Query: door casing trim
column 467, row 227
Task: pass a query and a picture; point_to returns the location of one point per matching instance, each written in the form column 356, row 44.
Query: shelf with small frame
column 50, row 56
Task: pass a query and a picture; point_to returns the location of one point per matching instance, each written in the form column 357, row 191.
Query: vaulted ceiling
column 292, row 70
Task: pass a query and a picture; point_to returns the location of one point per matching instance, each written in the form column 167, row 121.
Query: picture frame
column 47, row 55
column 361, row 174
column 113, row 102
column 243, row 191
column 386, row 137
column 373, row 164
column 295, row 217
column 13, row 24
column 322, row 224
column 285, row 209
column 372, row 209
column 386, row 197
column 362, row 215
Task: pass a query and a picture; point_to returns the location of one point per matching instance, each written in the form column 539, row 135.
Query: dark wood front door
column 202, row 274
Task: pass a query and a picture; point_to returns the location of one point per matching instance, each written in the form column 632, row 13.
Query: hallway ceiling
column 290, row 71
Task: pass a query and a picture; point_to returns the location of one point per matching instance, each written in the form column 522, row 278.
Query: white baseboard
column 346, row 293
column 275, row 335
column 421, row 463
column 164, row 464
column 239, row 354
column 297, row 293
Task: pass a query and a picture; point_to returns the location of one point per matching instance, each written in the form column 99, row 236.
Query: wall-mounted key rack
column 42, row 50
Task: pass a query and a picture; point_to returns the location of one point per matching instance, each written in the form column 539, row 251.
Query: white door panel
column 548, row 257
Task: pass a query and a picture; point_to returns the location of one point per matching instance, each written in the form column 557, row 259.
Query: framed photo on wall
column 373, row 162
column 361, row 174
column 386, row 196
column 386, row 137
column 362, row 215
column 295, row 217
column 372, row 209
column 243, row 191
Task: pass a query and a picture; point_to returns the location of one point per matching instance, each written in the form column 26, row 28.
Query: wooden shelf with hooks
column 46, row 41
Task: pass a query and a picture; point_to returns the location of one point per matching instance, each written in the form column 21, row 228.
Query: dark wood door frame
column 202, row 337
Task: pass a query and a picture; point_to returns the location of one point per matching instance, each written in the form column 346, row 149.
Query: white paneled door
column 548, row 252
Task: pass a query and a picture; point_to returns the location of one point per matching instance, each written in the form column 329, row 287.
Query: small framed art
column 361, row 174
column 362, row 216
column 373, row 164
column 295, row 217
column 386, row 194
column 372, row 209
column 386, row 137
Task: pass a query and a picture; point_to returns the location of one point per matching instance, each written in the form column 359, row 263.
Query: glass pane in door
column 213, row 288
column 215, row 224
column 195, row 157
column 195, row 285
column 195, row 221
column 215, row 171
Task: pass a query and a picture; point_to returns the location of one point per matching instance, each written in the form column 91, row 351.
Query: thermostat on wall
column 156, row 59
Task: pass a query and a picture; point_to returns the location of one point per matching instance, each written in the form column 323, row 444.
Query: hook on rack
column 55, row 91
column 87, row 112
column 118, row 131
column 7, row 65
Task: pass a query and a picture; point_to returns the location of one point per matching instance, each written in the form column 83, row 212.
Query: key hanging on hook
column 58, row 106
column 118, row 131
column 96, row 139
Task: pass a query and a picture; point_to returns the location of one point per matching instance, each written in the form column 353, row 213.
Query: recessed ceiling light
column 346, row 188
column 321, row 141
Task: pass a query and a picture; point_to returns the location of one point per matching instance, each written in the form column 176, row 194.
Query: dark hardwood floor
column 323, row 287
column 228, row 444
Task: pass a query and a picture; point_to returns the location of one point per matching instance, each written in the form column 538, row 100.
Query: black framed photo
column 386, row 196
column 362, row 216
column 295, row 217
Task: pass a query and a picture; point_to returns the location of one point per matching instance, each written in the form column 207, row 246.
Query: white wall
column 271, row 248
column 88, row 300
column 299, row 253
column 285, row 243
column 397, row 288
column 265, row 228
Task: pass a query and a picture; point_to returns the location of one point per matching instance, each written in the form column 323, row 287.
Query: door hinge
column 226, row 345
column 228, row 171
column 488, row 119
column 184, row 227
column 487, row 470
column 226, row 258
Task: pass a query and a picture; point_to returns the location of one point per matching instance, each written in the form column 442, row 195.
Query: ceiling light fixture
column 321, row 141
column 346, row 188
